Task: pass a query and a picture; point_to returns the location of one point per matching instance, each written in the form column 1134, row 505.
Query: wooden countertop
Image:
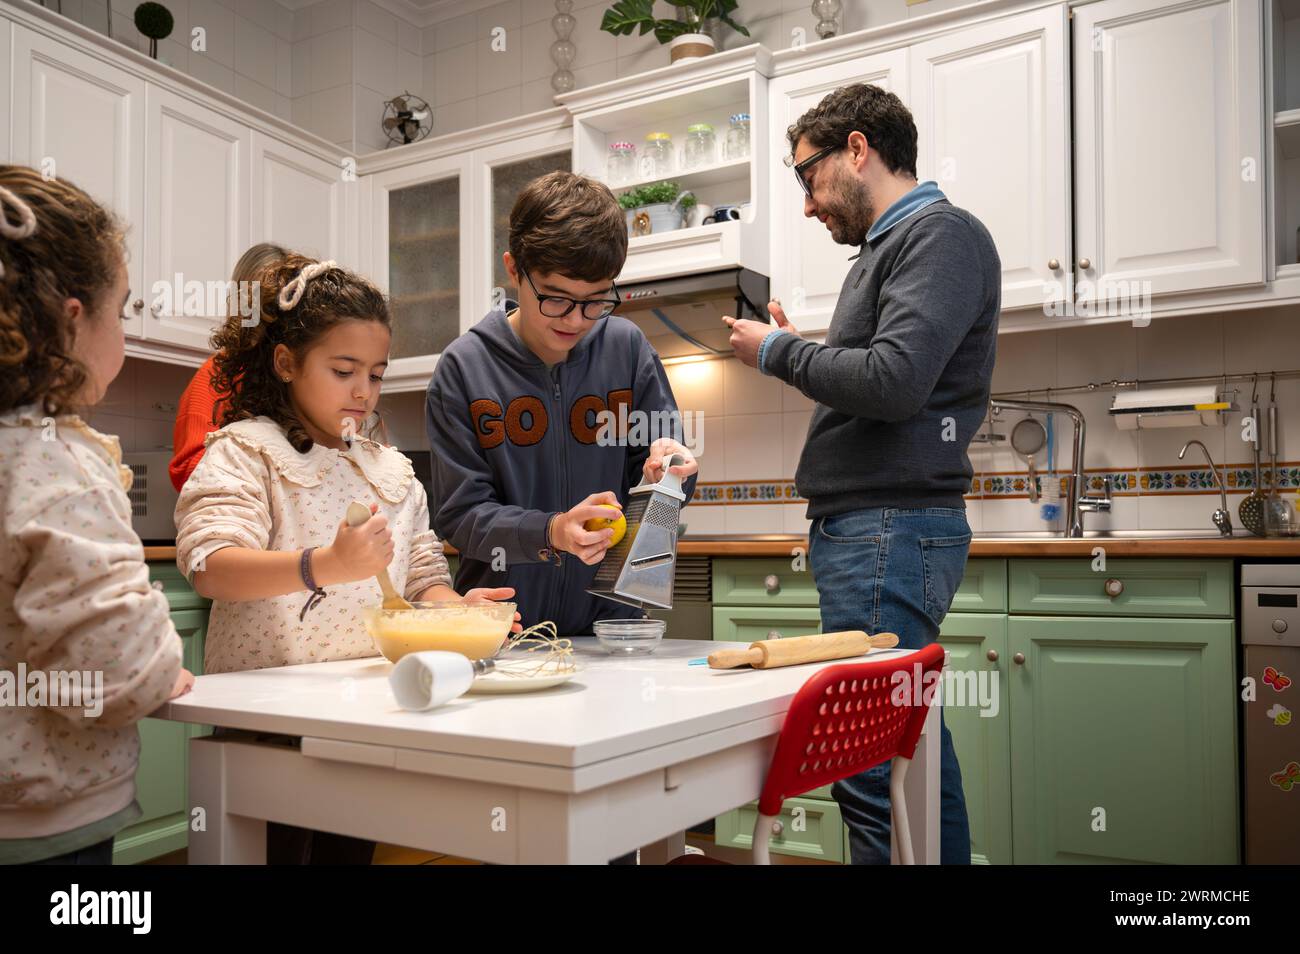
column 782, row 546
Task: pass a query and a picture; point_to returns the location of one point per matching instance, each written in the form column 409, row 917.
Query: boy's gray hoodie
column 514, row 442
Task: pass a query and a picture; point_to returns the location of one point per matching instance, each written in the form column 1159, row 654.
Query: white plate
column 498, row 682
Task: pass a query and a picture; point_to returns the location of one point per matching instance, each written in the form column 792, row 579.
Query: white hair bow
column 291, row 293
column 26, row 219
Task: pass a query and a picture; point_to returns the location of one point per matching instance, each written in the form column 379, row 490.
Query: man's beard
column 851, row 210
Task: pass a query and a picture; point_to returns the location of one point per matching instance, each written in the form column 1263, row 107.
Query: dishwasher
column 1270, row 638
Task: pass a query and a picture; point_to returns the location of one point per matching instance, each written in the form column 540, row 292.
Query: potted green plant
column 156, row 22
column 685, row 37
column 657, row 207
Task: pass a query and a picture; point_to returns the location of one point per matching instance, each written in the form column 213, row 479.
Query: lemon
column 618, row 524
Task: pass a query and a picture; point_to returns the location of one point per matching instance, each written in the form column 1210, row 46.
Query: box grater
column 638, row 570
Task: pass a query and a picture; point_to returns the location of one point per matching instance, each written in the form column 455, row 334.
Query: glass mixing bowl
column 475, row 630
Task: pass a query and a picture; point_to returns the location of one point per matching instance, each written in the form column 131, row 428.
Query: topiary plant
column 653, row 194
column 156, row 22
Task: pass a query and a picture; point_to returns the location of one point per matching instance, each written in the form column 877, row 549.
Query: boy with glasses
column 524, row 411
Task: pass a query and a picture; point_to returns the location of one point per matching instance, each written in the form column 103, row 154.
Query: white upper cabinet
column 196, row 217
column 6, row 93
column 991, row 105
column 1169, row 145
column 808, row 268
column 298, row 200
column 77, row 118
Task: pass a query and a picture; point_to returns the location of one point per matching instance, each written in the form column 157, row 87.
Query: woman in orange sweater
column 196, row 411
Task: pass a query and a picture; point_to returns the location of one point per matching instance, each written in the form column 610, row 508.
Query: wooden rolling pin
column 772, row 653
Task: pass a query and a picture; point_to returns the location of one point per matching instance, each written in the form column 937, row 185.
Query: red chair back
column 849, row 718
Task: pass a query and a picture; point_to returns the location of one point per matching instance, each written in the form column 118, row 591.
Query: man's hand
column 653, row 468
column 747, row 335
column 568, row 534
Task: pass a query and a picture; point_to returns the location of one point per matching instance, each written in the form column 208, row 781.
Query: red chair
column 844, row 721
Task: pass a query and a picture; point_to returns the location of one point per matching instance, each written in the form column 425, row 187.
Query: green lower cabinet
column 1123, row 740
column 162, row 778
column 808, row 828
column 977, row 714
column 750, row 624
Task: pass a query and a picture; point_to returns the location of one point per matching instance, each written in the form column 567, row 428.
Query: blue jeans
column 893, row 570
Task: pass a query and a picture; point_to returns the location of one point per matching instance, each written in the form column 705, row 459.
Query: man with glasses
column 901, row 385
column 548, row 410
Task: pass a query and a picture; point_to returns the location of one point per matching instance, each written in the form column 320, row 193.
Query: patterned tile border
column 1010, row 484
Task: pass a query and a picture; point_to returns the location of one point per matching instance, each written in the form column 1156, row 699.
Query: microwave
column 153, row 498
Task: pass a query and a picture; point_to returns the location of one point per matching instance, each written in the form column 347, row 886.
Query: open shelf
column 731, row 171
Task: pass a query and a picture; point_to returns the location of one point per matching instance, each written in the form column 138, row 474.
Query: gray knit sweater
column 902, row 382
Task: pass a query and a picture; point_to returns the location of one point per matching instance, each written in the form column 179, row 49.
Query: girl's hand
column 487, row 594
column 184, row 683
column 357, row 552
column 653, row 468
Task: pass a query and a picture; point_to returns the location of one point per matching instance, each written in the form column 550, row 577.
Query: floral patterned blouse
column 253, row 490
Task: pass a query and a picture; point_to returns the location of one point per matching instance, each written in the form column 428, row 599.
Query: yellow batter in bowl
column 475, row 630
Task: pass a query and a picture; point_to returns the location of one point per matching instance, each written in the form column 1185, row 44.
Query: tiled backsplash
column 754, row 425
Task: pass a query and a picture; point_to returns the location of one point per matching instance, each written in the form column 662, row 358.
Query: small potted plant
column 685, row 37
column 657, row 207
column 156, row 22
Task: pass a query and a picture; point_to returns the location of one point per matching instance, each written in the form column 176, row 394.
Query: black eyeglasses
column 557, row 306
column 808, row 163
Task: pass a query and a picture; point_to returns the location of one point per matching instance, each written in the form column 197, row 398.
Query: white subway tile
column 374, row 62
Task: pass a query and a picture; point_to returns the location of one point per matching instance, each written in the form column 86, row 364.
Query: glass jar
column 701, row 148
column 620, row 164
column 658, row 157
column 736, row 145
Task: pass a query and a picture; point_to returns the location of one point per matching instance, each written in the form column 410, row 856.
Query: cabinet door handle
column 777, row 827
column 774, row 634
column 157, row 585
column 1054, row 264
column 1019, row 659
column 993, row 655
column 1085, row 264
column 138, row 304
column 1114, row 587
column 772, row 583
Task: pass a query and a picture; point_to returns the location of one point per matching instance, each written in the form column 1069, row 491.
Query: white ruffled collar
column 384, row 468
column 31, row 415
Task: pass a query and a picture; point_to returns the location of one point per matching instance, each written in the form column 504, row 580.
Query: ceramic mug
column 700, row 214
column 724, row 213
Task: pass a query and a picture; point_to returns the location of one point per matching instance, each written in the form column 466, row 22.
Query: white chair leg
column 762, row 832
column 898, row 806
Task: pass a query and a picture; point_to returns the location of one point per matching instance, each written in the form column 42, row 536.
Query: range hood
column 682, row 315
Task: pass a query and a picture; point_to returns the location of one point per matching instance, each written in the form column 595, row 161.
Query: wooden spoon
column 359, row 513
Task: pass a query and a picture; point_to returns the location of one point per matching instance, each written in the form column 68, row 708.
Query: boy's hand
column 498, row 594
column 653, row 468
column 568, row 534
column 183, row 684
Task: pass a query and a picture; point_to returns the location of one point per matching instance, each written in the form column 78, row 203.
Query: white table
column 627, row 755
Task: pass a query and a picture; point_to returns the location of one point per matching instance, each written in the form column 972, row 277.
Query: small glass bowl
column 629, row 636
column 475, row 630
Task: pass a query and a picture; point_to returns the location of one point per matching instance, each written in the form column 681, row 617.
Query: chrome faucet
column 1222, row 519
column 1077, row 503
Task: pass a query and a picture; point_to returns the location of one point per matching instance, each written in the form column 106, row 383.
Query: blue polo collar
column 925, row 193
